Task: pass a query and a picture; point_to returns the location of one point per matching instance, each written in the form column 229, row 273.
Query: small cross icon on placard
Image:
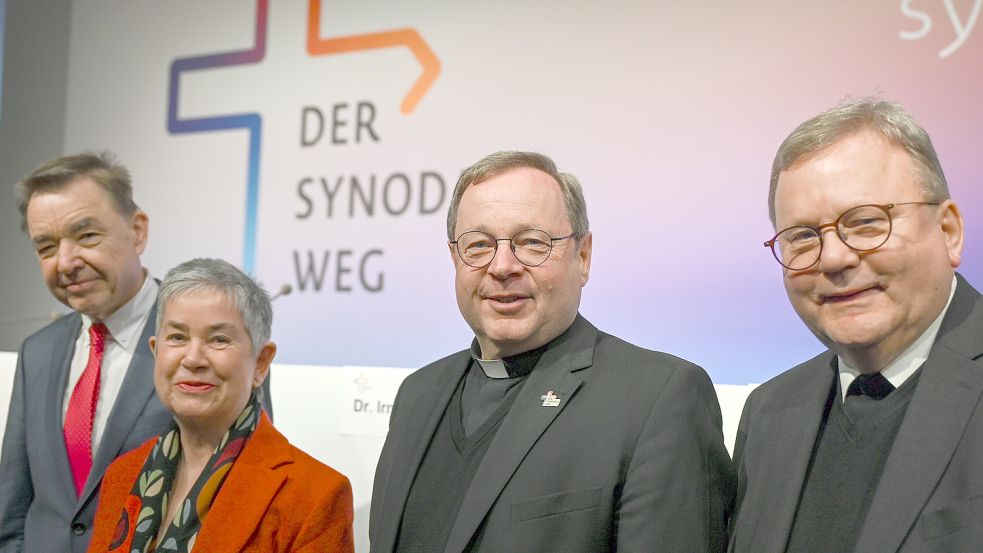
column 549, row 399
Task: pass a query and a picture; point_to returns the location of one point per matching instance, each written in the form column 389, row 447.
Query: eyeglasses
column 862, row 229
column 532, row 247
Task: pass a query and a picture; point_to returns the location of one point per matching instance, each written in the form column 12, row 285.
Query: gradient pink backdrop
column 668, row 112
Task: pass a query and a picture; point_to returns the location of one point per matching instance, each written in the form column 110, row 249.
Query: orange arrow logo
column 317, row 46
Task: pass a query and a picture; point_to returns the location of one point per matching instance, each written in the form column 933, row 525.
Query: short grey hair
column 207, row 275
column 103, row 168
column 500, row 162
column 889, row 119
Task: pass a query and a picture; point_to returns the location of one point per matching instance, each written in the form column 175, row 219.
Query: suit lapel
column 136, row 390
column 523, row 425
column 63, row 347
column 784, row 456
column 963, row 324
column 414, row 437
column 248, row 491
column 947, row 393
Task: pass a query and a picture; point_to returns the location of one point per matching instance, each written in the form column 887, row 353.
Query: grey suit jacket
column 39, row 512
column 632, row 458
column 930, row 496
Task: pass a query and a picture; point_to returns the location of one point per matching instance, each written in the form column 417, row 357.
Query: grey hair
column 889, row 119
column 500, row 162
column 206, row 275
column 103, row 168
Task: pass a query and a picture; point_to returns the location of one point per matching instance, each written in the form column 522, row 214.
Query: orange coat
column 276, row 498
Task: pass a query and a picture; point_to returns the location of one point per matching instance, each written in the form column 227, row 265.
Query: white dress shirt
column 125, row 328
column 898, row 371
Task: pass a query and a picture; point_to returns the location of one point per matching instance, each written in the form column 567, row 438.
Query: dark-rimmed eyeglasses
column 862, row 229
column 532, row 247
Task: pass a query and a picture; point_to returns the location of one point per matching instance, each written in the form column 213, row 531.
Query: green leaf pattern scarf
column 144, row 509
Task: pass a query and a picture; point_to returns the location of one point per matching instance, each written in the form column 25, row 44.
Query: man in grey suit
column 88, row 234
column 875, row 445
column 547, row 434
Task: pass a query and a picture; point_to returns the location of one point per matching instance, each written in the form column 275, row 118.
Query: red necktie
column 82, row 410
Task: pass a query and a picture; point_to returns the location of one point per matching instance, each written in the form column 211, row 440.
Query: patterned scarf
column 144, row 508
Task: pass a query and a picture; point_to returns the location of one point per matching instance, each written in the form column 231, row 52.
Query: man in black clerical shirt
column 875, row 445
column 547, row 434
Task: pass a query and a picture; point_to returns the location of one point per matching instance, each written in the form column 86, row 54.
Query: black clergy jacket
column 930, row 494
column 607, row 447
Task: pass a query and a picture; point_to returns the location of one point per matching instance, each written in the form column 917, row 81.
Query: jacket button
column 78, row 528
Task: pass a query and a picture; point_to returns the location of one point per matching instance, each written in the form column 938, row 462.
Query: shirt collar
column 126, row 323
column 904, row 365
column 514, row 366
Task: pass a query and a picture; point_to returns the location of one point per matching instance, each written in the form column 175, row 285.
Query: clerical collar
column 508, row 367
